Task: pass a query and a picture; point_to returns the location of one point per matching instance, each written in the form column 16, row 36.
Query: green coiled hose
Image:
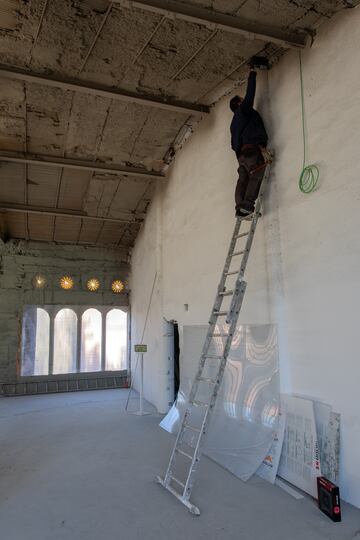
column 309, row 175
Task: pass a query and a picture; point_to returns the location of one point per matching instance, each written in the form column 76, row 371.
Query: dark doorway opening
column 176, row 360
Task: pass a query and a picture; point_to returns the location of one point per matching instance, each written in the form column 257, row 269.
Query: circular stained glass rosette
column 39, row 281
column 93, row 284
column 66, row 282
column 117, row 286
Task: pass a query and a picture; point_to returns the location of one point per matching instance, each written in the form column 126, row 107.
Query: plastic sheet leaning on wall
column 246, row 413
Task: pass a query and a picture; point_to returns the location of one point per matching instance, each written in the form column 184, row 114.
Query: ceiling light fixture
column 39, row 281
column 66, row 282
column 117, row 286
column 93, row 284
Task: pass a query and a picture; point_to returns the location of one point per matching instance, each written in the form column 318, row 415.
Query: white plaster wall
column 304, row 269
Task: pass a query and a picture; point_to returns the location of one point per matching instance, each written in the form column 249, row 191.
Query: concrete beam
column 58, row 212
column 76, row 85
column 66, row 163
column 220, row 21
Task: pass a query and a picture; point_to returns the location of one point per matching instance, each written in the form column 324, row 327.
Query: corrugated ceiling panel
column 12, row 182
column 111, row 233
column 101, row 186
column 8, row 10
column 12, row 132
column 108, row 195
column 90, row 231
column 128, row 195
column 73, row 189
column 15, row 225
column 46, row 184
column 67, row 229
column 41, row 227
column 47, row 119
column 110, row 187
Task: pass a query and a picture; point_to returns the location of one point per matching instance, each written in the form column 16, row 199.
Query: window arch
column 90, row 359
column 116, row 340
column 35, row 342
column 65, row 341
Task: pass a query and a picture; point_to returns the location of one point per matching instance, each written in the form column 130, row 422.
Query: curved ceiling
column 96, row 96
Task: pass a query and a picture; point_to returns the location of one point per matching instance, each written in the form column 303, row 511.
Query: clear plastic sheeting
column 246, row 413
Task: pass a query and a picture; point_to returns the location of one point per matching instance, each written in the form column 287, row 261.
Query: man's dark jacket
column 247, row 126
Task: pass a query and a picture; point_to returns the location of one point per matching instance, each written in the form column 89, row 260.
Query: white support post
column 79, row 313
column 103, row 340
column 141, row 411
column 51, row 342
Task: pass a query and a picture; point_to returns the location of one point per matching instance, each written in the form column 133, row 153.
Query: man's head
column 235, row 102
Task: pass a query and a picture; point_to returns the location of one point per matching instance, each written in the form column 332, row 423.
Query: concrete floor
column 76, row 466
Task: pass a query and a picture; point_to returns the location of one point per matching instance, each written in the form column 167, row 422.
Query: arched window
column 116, row 340
column 65, row 341
column 90, row 341
column 35, row 342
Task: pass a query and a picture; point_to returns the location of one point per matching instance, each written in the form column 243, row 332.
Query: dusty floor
column 76, row 466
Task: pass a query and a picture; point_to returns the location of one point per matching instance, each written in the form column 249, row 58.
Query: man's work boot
column 248, row 207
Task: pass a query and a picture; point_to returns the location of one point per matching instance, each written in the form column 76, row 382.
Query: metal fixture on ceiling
column 10, row 207
column 66, row 163
column 221, row 21
column 97, row 89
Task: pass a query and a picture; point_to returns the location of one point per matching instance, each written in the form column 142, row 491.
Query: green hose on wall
column 309, row 175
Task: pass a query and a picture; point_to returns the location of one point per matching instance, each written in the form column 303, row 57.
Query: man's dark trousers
column 251, row 171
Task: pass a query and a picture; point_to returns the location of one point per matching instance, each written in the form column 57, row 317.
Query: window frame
column 52, row 311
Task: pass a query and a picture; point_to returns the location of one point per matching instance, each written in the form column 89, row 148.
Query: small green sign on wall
column 140, row 348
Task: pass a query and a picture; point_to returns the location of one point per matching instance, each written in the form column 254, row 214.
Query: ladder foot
column 194, row 510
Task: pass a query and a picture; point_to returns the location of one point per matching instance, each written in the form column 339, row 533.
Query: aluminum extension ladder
column 191, row 453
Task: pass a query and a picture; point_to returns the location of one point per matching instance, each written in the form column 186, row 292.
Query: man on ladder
column 248, row 140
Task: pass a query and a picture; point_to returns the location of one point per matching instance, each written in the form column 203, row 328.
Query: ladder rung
column 220, row 335
column 207, row 380
column 184, row 453
column 214, row 357
column 241, row 235
column 226, row 293
column 188, row 426
column 178, row 481
column 247, row 218
column 199, row 403
column 238, row 253
column 220, row 313
column 231, row 273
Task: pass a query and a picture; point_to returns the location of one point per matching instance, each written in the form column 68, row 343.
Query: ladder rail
column 232, row 315
column 219, row 298
column 190, row 479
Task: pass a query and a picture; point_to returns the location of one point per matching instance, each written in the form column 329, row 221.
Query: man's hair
column 234, row 103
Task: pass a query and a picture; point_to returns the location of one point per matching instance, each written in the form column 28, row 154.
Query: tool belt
column 266, row 154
